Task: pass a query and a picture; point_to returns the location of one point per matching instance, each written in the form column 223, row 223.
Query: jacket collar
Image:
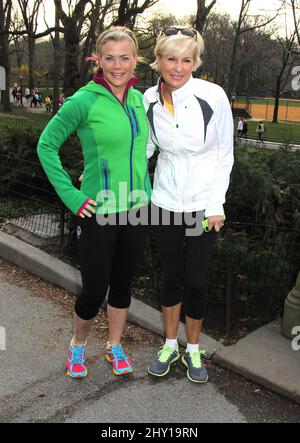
column 181, row 92
column 100, row 80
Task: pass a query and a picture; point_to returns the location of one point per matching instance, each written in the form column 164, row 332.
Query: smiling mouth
column 176, row 77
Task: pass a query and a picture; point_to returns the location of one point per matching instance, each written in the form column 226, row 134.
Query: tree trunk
column 56, row 47
column 201, row 17
column 5, row 95
column 4, row 51
column 72, row 74
column 277, row 96
column 31, row 54
column 202, row 14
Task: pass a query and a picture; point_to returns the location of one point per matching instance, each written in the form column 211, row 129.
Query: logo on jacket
column 78, row 232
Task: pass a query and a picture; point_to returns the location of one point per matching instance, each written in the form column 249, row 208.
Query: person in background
column 260, row 130
column 192, row 127
column 245, row 128
column 19, row 98
column 27, row 94
column 48, row 103
column 240, row 127
column 14, row 93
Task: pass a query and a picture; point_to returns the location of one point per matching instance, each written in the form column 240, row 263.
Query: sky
column 183, row 7
column 232, row 7
column 187, row 7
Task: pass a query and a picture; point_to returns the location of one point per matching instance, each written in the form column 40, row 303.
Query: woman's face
column 118, row 62
column 176, row 70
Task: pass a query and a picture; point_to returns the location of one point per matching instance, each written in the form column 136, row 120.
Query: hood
column 98, row 83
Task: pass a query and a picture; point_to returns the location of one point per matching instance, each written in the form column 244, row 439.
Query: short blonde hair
column 178, row 45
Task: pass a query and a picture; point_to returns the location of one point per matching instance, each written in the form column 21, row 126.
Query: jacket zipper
column 105, row 172
column 131, row 148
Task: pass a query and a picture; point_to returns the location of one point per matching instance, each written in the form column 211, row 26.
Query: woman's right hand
column 88, row 210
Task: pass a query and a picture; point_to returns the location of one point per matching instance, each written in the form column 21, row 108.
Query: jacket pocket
column 105, row 173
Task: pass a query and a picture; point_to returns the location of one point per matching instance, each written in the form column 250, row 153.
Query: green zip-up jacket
column 114, row 140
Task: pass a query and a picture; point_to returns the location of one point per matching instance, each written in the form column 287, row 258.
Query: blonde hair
column 178, row 45
column 114, row 34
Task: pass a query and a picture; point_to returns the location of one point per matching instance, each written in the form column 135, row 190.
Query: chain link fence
column 253, row 268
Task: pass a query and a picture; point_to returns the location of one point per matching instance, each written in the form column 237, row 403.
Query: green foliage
column 20, row 164
column 258, row 269
column 265, row 188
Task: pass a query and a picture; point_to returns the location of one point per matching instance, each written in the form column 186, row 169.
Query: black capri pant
column 184, row 257
column 108, row 257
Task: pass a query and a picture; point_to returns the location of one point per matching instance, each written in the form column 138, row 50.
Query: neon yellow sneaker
column 161, row 363
column 193, row 362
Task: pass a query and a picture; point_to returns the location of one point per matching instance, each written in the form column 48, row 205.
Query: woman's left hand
column 216, row 221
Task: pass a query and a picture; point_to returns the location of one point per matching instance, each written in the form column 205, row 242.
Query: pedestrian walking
column 240, row 127
column 245, row 128
column 19, row 98
column 260, row 130
column 14, row 93
column 27, row 94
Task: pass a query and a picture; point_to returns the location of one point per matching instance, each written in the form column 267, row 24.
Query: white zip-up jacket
column 195, row 147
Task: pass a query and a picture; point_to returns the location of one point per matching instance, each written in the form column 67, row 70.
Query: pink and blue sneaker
column 76, row 363
column 121, row 364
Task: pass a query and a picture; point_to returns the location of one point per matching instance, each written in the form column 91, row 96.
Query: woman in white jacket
column 192, row 127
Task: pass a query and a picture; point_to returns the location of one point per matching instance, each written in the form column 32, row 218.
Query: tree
column 202, row 14
column 295, row 9
column 72, row 22
column 30, row 14
column 219, row 35
column 16, row 40
column 83, row 22
column 5, row 21
column 129, row 10
column 243, row 25
column 284, row 69
column 94, row 25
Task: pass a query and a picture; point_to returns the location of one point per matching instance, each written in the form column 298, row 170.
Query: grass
column 21, row 118
column 283, row 102
column 286, row 132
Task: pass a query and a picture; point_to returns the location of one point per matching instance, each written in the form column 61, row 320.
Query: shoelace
column 196, row 358
column 165, row 352
column 78, row 355
column 118, row 352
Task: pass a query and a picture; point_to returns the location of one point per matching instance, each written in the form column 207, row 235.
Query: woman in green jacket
column 109, row 118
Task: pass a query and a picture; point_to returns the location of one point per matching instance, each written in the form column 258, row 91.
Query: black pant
column 108, row 257
column 191, row 264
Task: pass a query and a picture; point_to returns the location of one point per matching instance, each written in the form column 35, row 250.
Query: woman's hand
column 216, row 221
column 88, row 210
